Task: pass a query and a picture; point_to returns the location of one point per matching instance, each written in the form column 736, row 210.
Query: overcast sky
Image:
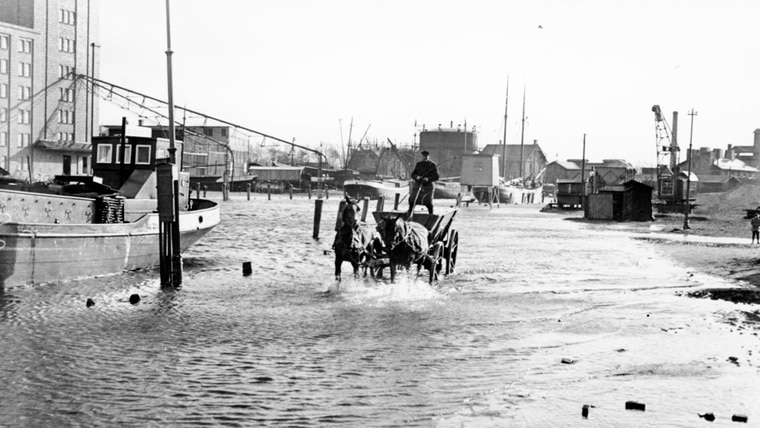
column 302, row 68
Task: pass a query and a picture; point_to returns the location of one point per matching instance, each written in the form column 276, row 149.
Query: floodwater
column 543, row 316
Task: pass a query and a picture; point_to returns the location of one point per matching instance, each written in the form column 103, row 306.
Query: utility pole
column 692, row 113
column 522, row 135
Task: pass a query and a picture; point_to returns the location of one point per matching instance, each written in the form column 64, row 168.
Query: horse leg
column 355, row 265
column 393, row 272
column 338, row 262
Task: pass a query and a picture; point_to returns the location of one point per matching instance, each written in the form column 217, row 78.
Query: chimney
column 730, row 152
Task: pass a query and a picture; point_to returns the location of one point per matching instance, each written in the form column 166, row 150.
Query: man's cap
column 424, row 153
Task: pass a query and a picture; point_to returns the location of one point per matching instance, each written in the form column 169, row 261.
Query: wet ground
column 542, row 317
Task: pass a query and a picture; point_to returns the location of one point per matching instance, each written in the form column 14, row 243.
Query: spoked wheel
column 436, row 257
column 452, row 245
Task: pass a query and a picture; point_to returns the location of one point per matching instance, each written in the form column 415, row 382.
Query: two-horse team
column 396, row 242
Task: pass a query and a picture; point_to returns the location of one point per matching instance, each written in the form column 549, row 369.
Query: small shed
column 630, row 201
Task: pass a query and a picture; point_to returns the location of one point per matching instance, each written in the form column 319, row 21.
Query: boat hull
column 35, row 253
column 361, row 189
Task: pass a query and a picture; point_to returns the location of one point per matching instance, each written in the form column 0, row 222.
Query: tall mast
column 504, row 140
column 522, row 135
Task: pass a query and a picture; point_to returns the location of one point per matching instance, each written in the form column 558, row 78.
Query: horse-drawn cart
column 404, row 243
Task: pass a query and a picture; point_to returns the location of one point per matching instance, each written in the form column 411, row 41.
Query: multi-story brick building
column 46, row 118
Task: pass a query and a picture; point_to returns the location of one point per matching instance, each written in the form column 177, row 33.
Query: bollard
column 134, row 299
column 317, row 216
column 247, row 270
column 269, row 192
column 739, row 418
column 365, row 208
column 396, row 200
column 584, row 411
column 632, row 405
column 249, row 191
column 380, row 203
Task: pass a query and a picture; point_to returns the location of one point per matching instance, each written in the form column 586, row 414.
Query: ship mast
column 504, row 140
column 522, row 135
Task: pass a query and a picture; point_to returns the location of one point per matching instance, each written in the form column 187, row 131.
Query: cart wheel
column 436, row 257
column 452, row 245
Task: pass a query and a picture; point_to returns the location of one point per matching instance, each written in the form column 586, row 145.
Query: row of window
column 22, row 140
column 24, row 45
column 24, row 92
column 105, row 154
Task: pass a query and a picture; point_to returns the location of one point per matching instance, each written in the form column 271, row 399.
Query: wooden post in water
column 317, row 216
column 380, row 203
column 396, row 200
column 249, row 191
column 365, row 208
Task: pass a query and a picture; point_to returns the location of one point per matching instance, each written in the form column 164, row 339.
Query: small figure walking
column 755, row 222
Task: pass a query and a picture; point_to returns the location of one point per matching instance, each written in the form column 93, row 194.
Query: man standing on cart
column 424, row 175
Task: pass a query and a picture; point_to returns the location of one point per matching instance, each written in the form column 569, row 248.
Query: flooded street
column 543, row 316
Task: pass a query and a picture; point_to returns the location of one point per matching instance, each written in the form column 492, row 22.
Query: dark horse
column 406, row 242
column 354, row 242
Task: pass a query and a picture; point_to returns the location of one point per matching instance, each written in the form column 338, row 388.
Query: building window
column 24, row 140
column 666, row 188
column 66, row 136
column 143, row 155
column 84, row 165
column 224, row 132
column 104, row 153
column 67, row 17
column 24, row 92
column 67, row 94
column 3, row 42
column 127, row 154
column 3, row 115
column 66, row 45
column 24, row 116
column 65, row 71
column 3, row 90
column 25, row 45
column 24, row 69
column 3, row 66
column 65, row 116
column 4, row 162
column 3, row 139
column 208, row 131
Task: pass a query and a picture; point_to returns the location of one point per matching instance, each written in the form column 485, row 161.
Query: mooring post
column 396, row 200
column 365, row 208
column 380, row 203
column 317, row 216
column 249, row 191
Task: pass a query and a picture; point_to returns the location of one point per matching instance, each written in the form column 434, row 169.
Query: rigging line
column 201, row 114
